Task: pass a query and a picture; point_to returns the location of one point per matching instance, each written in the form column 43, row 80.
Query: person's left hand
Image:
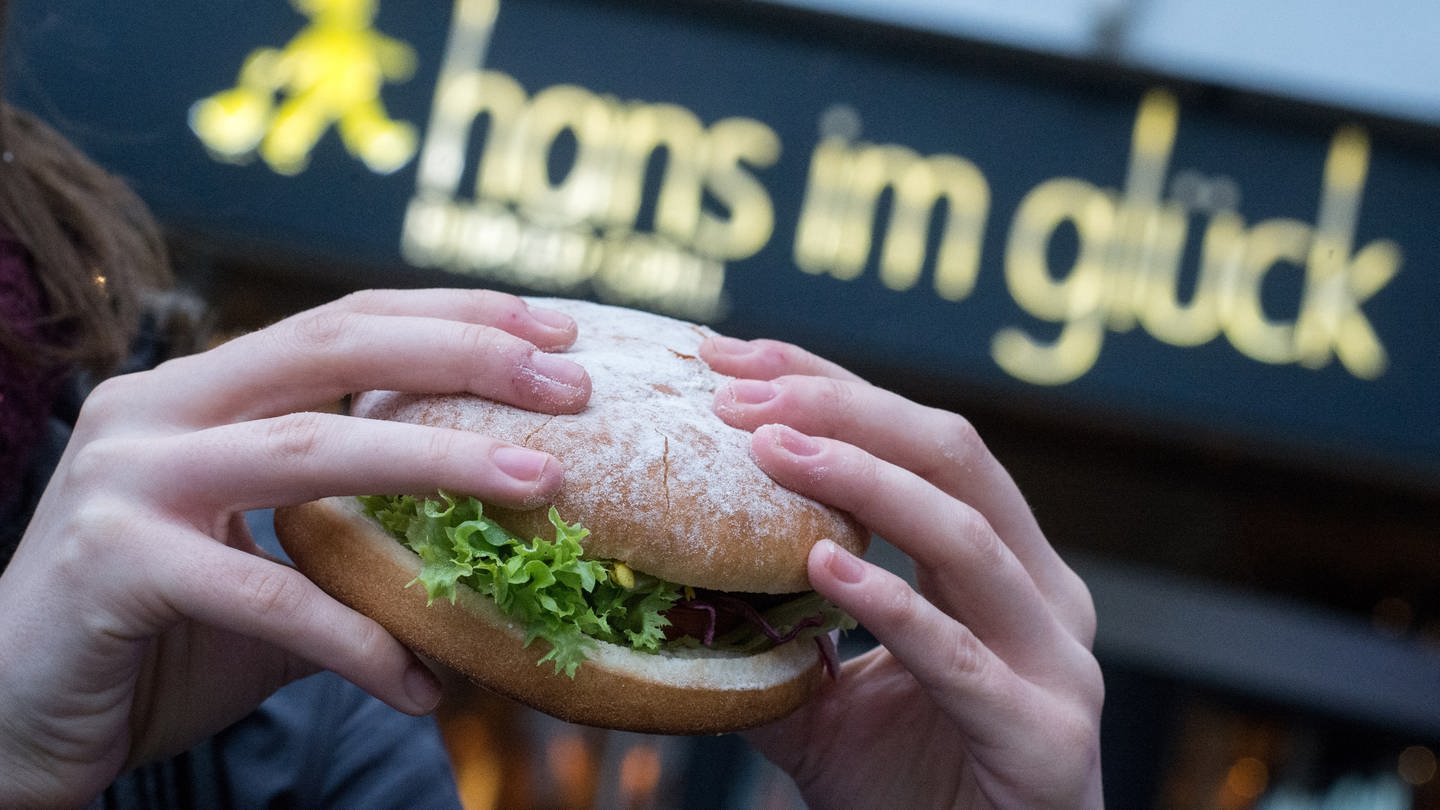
column 984, row 692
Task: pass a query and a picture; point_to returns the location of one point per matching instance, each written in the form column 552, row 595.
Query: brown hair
column 96, row 249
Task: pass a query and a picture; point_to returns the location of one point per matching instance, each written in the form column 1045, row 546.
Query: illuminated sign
column 521, row 225
column 1136, row 245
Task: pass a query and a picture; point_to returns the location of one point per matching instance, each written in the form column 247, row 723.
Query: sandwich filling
column 570, row 602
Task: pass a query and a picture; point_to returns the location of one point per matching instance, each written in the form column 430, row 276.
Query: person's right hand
column 138, row 614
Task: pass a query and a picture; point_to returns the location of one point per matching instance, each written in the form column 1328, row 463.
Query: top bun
column 660, row 481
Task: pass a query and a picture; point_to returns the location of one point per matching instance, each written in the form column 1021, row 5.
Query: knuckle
column 272, row 591
column 974, row 551
column 964, row 655
column 440, row 448
column 1079, row 728
column 1078, row 737
column 101, row 531
column 960, row 444
column 293, row 437
column 497, row 350
column 105, row 519
column 481, row 340
column 112, row 399
column 903, row 608
column 1077, row 607
column 988, row 552
column 835, row 399
column 1092, row 688
column 99, row 460
column 371, row 641
column 323, row 328
column 1079, row 684
column 864, row 487
column 776, row 357
column 356, row 301
column 501, row 308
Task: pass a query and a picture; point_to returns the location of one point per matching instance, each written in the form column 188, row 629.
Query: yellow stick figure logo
column 329, row 74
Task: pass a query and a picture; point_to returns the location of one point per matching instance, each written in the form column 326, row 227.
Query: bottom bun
column 692, row 691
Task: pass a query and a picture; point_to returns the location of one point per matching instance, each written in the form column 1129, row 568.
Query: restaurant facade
column 1197, row 324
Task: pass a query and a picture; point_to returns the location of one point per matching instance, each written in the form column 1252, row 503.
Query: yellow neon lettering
column 1337, row 280
column 1161, row 312
column 1267, row 245
column 732, row 144
column 672, row 132
column 836, row 232
column 1074, row 301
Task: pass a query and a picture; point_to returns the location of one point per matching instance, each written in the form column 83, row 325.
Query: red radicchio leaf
column 829, row 656
column 713, row 604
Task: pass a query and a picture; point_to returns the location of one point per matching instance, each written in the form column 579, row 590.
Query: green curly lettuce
column 544, row 585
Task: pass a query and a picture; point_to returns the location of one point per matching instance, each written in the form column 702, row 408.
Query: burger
column 663, row 591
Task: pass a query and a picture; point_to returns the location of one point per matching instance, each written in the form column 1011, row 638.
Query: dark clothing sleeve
column 323, row 743
column 318, row 743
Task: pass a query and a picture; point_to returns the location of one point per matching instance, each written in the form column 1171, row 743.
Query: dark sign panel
column 1171, row 253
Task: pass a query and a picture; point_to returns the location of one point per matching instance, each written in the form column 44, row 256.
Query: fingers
column 255, row 598
column 547, row 329
column 973, row 575
column 996, row 705
column 303, row 456
column 424, row 341
column 940, row 447
column 766, row 359
column 950, row 662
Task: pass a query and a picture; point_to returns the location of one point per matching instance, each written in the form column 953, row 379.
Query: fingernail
column 794, row 442
column 519, row 463
column 730, row 346
column 557, row 369
column 553, row 319
column 752, row 392
column 845, row 566
column 423, row 688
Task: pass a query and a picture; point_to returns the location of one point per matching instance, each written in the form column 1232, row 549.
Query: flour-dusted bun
column 659, row 480
column 662, row 484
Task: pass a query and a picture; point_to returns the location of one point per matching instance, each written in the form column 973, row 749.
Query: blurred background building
column 1178, row 261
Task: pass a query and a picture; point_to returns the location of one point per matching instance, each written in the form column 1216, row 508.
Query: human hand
column 984, row 691
column 140, row 616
